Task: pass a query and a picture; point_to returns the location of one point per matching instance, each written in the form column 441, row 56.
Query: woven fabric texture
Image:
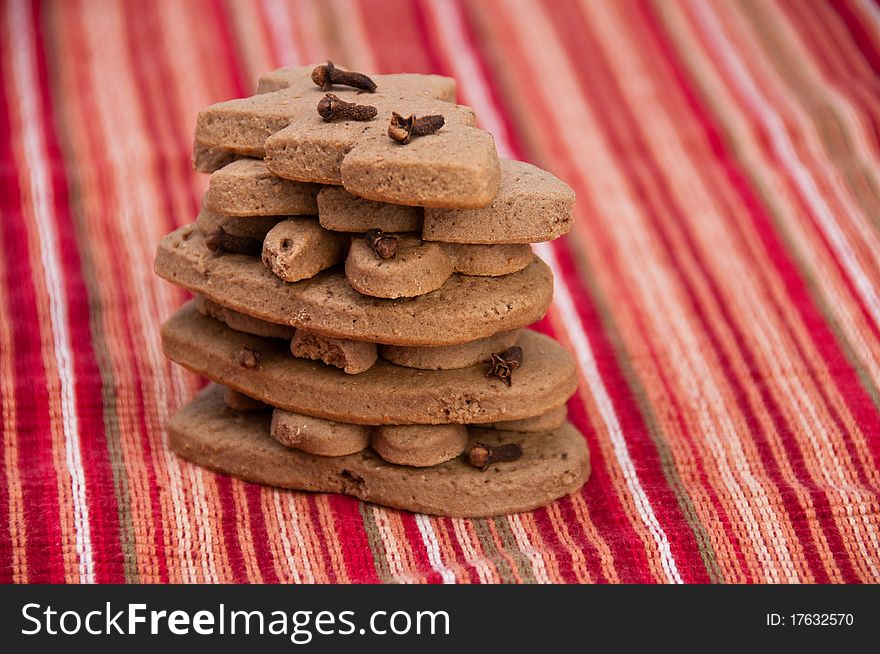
column 720, row 292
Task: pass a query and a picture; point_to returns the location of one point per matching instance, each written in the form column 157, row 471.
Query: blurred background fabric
column 720, row 291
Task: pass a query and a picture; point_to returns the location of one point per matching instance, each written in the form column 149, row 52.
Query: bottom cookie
column 553, row 464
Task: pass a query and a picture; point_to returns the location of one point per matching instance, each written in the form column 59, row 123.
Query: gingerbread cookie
column 546, row 422
column 488, row 260
column 241, row 402
column 358, row 356
column 552, row 465
column 455, row 167
column 415, row 268
column 531, row 206
column 449, row 357
column 241, row 322
column 341, row 211
column 206, row 159
column 464, row 309
column 317, row 435
column 384, row 394
column 299, row 248
column 409, row 266
column 254, row 227
column 246, row 187
column 420, row 446
column 353, row 357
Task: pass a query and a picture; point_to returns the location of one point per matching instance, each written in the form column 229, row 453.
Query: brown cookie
column 316, row 435
column 531, row 206
column 489, row 260
column 353, row 357
column 384, row 394
column 246, row 187
column 241, row 402
column 464, row 309
column 454, row 167
column 449, row 357
column 206, row 159
column 299, row 248
column 358, row 356
column 553, row 464
column 546, row 422
column 255, row 227
column 341, row 211
column 421, row 446
column 416, row 268
column 241, row 322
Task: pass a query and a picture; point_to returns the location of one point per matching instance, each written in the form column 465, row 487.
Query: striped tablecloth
column 721, row 290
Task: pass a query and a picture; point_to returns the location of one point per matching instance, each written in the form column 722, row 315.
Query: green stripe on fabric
column 487, row 542
column 523, row 564
column 377, row 547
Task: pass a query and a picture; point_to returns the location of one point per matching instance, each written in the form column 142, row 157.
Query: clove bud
column 482, row 456
column 403, row 128
column 249, row 358
column 502, row 365
column 383, row 245
column 332, row 107
column 219, row 241
column 327, row 75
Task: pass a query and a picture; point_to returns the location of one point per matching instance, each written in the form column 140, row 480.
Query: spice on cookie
column 331, row 107
column 327, row 75
column 384, row 245
column 502, row 365
column 482, row 456
column 249, row 358
column 219, row 241
column 403, row 128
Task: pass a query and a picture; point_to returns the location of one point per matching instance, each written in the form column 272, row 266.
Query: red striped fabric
column 720, row 292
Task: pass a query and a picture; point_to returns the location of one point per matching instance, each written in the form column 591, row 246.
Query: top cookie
column 245, row 187
column 455, row 167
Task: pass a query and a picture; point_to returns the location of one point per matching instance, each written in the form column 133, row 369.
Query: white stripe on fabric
column 23, row 47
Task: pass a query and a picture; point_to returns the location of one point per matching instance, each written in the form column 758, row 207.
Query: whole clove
column 249, row 358
column 383, row 245
column 219, row 241
column 331, row 107
column 327, row 75
column 503, row 364
column 482, row 456
column 403, row 128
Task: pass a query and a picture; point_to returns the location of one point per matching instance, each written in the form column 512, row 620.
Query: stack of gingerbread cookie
column 363, row 279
